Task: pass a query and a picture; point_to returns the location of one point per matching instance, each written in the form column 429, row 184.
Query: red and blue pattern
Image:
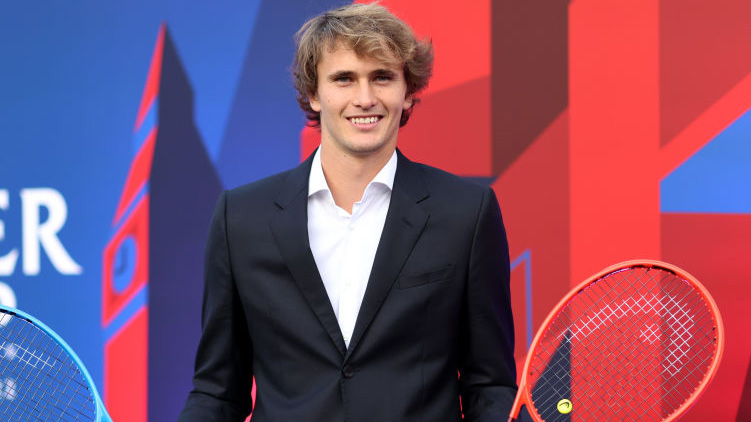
column 609, row 130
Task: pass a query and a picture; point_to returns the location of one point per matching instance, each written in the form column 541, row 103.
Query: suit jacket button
column 348, row 372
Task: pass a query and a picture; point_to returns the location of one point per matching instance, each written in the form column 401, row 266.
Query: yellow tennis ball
column 565, row 406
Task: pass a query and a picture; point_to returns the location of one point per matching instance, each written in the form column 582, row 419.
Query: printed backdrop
column 610, row 130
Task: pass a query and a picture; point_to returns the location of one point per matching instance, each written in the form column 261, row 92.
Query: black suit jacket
column 437, row 303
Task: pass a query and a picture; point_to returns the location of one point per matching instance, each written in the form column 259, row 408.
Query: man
column 357, row 286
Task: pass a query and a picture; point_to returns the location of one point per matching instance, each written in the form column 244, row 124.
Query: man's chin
column 369, row 147
column 370, row 150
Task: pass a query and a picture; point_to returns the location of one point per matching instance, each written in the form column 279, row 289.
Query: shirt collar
column 317, row 181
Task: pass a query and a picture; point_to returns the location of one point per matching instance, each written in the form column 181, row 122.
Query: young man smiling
column 356, row 286
column 360, row 101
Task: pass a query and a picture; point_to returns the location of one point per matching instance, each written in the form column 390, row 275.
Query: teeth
column 364, row 120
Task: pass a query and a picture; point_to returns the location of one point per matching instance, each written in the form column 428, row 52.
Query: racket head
column 41, row 377
column 646, row 357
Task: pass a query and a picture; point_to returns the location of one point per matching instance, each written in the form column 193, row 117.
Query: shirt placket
column 350, row 297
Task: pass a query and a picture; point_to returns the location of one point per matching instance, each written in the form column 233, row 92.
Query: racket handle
column 516, row 407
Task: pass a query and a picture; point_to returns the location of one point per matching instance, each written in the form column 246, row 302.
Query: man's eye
column 383, row 78
column 343, row 79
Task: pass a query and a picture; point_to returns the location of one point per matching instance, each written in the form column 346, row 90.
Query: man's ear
column 314, row 103
column 408, row 102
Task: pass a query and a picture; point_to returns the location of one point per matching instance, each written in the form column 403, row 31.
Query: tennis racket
column 640, row 341
column 41, row 378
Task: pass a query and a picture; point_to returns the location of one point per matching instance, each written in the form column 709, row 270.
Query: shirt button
column 351, row 227
column 348, row 372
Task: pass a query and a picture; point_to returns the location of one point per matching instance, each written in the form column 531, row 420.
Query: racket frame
column 101, row 411
column 524, row 396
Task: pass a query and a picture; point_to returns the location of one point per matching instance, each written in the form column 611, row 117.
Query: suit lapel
column 290, row 229
column 404, row 224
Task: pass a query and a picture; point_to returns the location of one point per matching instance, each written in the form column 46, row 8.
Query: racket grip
column 516, row 407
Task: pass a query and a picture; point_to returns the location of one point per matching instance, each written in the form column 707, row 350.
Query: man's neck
column 348, row 175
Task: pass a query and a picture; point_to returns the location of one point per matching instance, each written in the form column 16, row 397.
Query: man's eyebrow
column 341, row 74
column 384, row 72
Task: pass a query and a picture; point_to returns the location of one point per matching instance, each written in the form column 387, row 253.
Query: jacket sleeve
column 486, row 351
column 223, row 371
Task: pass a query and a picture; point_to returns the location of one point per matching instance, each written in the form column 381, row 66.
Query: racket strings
column 676, row 356
column 38, row 379
column 34, row 399
column 633, row 346
column 671, row 361
column 67, row 394
column 44, row 395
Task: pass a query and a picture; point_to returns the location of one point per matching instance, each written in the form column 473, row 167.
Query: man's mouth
column 365, row 120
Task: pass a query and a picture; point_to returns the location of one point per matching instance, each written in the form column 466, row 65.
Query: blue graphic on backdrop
column 183, row 189
column 212, row 39
column 717, row 178
column 71, row 81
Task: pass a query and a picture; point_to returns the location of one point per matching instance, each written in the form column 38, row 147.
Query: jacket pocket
column 433, row 276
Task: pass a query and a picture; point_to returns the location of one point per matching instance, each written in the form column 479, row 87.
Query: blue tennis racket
column 41, row 378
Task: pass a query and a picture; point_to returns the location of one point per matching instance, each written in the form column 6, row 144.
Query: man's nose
column 365, row 97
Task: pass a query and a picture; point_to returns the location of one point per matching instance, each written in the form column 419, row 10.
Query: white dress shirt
column 343, row 244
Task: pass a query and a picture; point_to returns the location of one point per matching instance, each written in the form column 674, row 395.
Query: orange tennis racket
column 640, row 341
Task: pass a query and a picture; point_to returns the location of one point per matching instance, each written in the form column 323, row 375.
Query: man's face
column 360, row 101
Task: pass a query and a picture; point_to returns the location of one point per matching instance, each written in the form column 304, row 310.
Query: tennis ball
column 565, row 406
